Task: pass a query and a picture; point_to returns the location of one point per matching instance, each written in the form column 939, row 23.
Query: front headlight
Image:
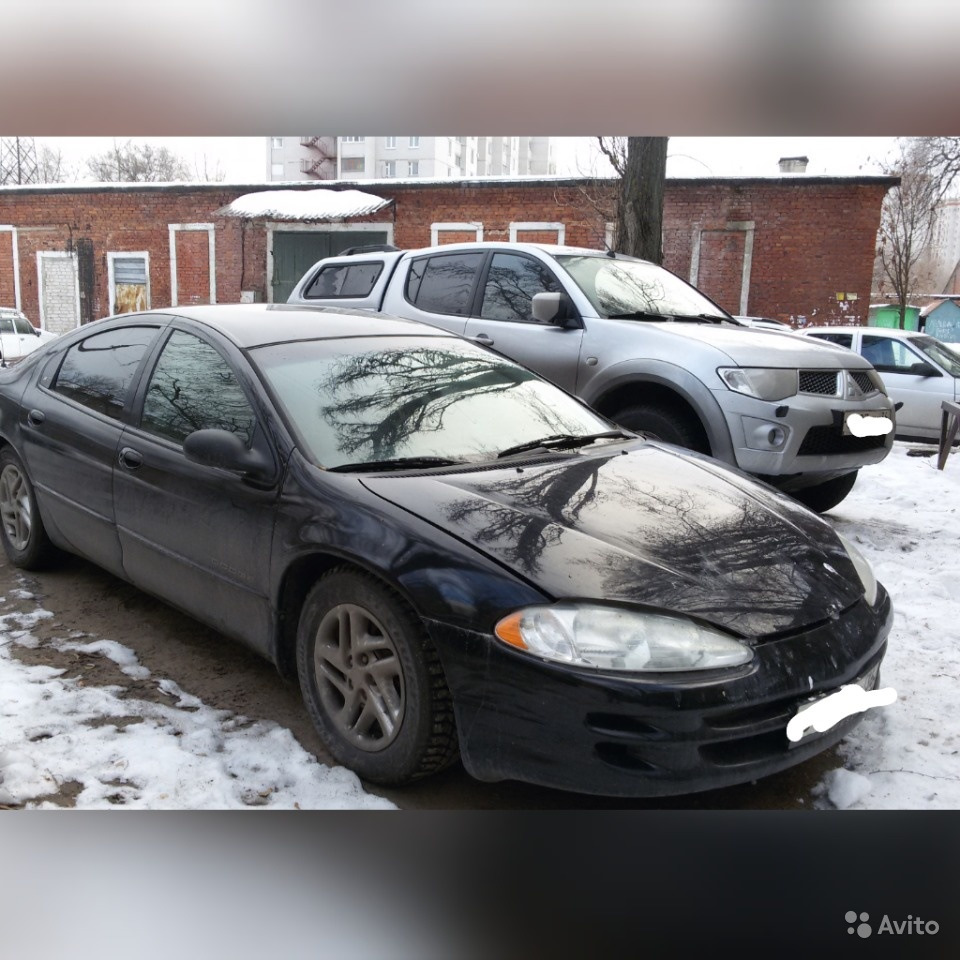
column 761, row 382
column 609, row 638
column 863, row 568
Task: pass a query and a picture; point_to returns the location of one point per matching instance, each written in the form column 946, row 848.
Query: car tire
column 660, row 422
column 824, row 496
column 25, row 540
column 372, row 681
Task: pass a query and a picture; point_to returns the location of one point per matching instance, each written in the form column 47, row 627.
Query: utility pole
column 18, row 161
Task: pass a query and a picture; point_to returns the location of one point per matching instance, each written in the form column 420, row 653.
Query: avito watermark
column 859, row 923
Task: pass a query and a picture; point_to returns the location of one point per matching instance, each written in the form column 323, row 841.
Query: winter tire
column 21, row 529
column 372, row 680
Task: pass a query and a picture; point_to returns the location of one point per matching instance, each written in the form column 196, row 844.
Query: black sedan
column 454, row 557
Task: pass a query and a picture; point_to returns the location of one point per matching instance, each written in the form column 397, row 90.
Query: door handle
column 484, row 339
column 36, row 417
column 130, row 458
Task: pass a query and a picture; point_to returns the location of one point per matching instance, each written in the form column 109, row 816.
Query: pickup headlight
column 761, row 382
column 864, row 570
column 609, row 638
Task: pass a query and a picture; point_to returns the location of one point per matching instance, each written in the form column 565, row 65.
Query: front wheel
column 666, row 423
column 21, row 529
column 824, row 496
column 372, row 681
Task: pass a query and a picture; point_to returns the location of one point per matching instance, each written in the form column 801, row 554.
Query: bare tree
column 641, row 164
column 908, row 222
column 137, row 162
column 943, row 161
column 51, row 167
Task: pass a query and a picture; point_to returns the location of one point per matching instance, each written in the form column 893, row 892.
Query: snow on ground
column 113, row 751
column 903, row 514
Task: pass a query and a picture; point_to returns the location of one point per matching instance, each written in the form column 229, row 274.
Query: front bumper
column 618, row 735
column 814, row 443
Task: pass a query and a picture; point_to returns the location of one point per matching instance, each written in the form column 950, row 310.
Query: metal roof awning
column 316, row 204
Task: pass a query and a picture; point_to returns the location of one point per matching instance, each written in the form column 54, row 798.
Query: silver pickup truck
column 642, row 347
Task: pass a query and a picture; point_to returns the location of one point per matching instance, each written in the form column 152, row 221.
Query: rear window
column 344, row 280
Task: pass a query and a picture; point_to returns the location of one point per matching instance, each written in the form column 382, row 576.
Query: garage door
column 295, row 252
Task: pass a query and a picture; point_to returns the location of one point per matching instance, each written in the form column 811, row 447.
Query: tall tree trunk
column 640, row 208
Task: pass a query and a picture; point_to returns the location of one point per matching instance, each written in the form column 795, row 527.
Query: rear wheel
column 666, row 423
column 372, row 681
column 824, row 496
column 21, row 529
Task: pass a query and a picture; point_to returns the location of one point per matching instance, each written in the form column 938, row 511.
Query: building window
column 128, row 277
column 414, row 168
column 276, row 142
column 414, row 141
column 391, row 143
column 351, row 165
column 353, row 139
column 276, row 169
column 389, row 168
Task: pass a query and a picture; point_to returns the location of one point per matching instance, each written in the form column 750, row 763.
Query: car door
column 195, row 535
column 72, row 418
column 921, row 394
column 506, row 324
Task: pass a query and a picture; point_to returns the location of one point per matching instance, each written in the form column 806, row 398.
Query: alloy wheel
column 15, row 513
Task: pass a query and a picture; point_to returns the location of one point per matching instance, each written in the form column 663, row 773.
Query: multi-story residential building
column 437, row 158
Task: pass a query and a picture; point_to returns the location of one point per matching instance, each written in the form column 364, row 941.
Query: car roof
column 553, row 249
column 256, row 324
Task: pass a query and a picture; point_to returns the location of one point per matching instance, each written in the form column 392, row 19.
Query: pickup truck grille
column 823, row 382
column 826, row 441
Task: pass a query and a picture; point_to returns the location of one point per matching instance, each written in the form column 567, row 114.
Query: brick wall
column 812, row 238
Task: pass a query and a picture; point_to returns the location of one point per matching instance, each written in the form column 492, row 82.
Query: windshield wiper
column 639, row 315
column 705, row 317
column 397, row 463
column 560, row 441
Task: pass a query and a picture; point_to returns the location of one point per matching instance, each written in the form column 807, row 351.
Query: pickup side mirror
column 553, row 308
column 221, row 448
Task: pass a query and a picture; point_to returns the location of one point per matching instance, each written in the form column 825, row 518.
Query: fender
column 675, row 379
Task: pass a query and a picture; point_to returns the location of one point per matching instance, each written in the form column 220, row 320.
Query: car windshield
column 939, row 353
column 427, row 400
column 636, row 290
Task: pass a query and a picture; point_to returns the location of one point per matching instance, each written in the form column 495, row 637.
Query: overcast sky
column 243, row 159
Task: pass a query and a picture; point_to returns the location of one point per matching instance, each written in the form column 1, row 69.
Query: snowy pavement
column 64, row 742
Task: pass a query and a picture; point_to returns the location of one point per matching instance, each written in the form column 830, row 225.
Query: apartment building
column 378, row 158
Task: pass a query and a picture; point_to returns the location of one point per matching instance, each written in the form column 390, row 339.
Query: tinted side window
column 890, row 355
column 344, row 280
column 443, row 284
column 511, row 283
column 193, row 388
column 842, row 339
column 98, row 371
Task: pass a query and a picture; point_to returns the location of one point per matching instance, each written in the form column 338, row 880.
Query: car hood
column 747, row 347
column 650, row 525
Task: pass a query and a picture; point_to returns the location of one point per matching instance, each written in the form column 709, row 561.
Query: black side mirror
column 221, row 448
column 553, row 308
column 924, row 369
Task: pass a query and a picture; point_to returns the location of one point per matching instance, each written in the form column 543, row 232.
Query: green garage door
column 295, row 252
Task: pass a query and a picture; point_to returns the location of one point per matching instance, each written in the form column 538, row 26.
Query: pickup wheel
column 661, row 422
column 824, row 496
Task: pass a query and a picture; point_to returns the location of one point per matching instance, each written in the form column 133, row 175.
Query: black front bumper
column 521, row 718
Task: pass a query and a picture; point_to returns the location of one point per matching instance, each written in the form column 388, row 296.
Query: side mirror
column 924, row 369
column 221, row 448
column 553, row 308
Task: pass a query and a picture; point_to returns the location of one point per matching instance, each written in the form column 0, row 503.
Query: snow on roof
column 316, row 204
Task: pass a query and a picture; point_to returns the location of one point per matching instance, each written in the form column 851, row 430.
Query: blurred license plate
column 867, row 423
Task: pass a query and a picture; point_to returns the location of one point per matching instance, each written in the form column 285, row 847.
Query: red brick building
column 790, row 247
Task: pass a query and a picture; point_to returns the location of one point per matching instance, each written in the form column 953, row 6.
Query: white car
column 765, row 323
column 918, row 371
column 18, row 336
